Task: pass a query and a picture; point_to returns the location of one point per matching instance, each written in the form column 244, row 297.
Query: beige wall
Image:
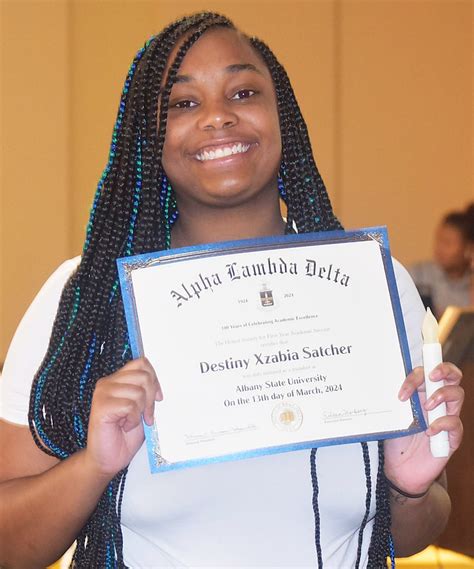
column 385, row 86
column 36, row 214
column 406, row 117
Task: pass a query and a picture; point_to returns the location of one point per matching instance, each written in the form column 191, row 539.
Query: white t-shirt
column 250, row 513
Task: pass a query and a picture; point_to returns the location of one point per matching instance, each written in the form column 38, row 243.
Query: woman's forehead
column 219, row 47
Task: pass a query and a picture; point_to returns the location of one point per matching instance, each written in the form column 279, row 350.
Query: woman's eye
column 184, row 104
column 244, row 94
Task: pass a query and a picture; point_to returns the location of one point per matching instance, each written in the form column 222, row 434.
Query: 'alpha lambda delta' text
column 185, row 292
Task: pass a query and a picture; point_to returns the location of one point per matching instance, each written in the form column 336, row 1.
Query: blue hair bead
column 37, row 411
column 78, row 428
column 85, row 373
column 391, row 546
column 280, row 182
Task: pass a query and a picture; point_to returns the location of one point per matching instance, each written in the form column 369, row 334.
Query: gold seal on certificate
column 287, row 416
column 269, row 345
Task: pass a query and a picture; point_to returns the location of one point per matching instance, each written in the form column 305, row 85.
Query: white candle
column 432, row 356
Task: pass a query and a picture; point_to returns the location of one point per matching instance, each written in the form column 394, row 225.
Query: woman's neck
column 219, row 224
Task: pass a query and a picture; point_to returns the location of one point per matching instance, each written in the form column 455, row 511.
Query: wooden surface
column 436, row 558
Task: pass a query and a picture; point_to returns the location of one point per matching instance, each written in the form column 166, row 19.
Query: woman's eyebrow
column 234, row 68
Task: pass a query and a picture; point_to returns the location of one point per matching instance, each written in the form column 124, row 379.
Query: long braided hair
column 132, row 213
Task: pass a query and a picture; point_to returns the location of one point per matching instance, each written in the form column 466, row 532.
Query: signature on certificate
column 213, row 434
column 349, row 413
column 344, row 414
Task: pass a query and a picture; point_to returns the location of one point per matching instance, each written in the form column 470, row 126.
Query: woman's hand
column 115, row 424
column 409, row 463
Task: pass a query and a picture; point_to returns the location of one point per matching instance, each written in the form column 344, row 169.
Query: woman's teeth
column 222, row 152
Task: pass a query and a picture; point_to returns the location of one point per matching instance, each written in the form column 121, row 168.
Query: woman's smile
column 231, row 149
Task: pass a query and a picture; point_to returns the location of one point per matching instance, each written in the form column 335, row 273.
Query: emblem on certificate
column 266, row 296
column 287, row 417
column 278, row 373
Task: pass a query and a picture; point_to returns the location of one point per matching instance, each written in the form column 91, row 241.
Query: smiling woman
column 208, row 138
column 223, row 143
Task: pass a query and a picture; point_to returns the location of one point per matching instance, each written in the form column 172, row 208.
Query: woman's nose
column 216, row 115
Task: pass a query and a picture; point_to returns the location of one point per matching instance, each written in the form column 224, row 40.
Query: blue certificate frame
column 204, row 296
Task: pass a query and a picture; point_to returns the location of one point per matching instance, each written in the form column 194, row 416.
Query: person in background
column 448, row 278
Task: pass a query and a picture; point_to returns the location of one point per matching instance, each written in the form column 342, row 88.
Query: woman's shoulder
column 61, row 274
column 405, row 283
column 29, row 345
column 43, row 308
column 412, row 308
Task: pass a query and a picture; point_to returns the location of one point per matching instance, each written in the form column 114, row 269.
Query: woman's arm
column 45, row 503
column 417, row 522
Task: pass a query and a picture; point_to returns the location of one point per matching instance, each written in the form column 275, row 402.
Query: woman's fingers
column 412, row 383
column 449, row 392
column 447, row 372
column 415, row 381
column 120, row 402
column 453, row 425
column 143, row 386
column 452, row 395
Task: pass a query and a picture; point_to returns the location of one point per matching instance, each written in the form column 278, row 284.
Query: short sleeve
column 29, row 345
column 413, row 311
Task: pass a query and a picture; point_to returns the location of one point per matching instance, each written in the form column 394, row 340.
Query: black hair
column 132, row 213
column 463, row 221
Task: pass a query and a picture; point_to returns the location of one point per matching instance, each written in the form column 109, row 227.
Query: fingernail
column 429, row 404
column 435, row 374
column 403, row 395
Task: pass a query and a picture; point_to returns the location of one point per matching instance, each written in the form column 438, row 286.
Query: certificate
column 270, row 345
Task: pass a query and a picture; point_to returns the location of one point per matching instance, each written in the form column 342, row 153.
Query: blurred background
column 385, row 87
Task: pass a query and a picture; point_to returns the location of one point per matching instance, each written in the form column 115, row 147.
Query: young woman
column 208, row 136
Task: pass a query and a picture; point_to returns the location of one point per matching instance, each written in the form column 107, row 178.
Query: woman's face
column 223, row 144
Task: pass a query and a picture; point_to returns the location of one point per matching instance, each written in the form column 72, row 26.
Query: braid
column 368, row 481
column 317, row 518
column 132, row 213
column 380, row 544
column 306, row 196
